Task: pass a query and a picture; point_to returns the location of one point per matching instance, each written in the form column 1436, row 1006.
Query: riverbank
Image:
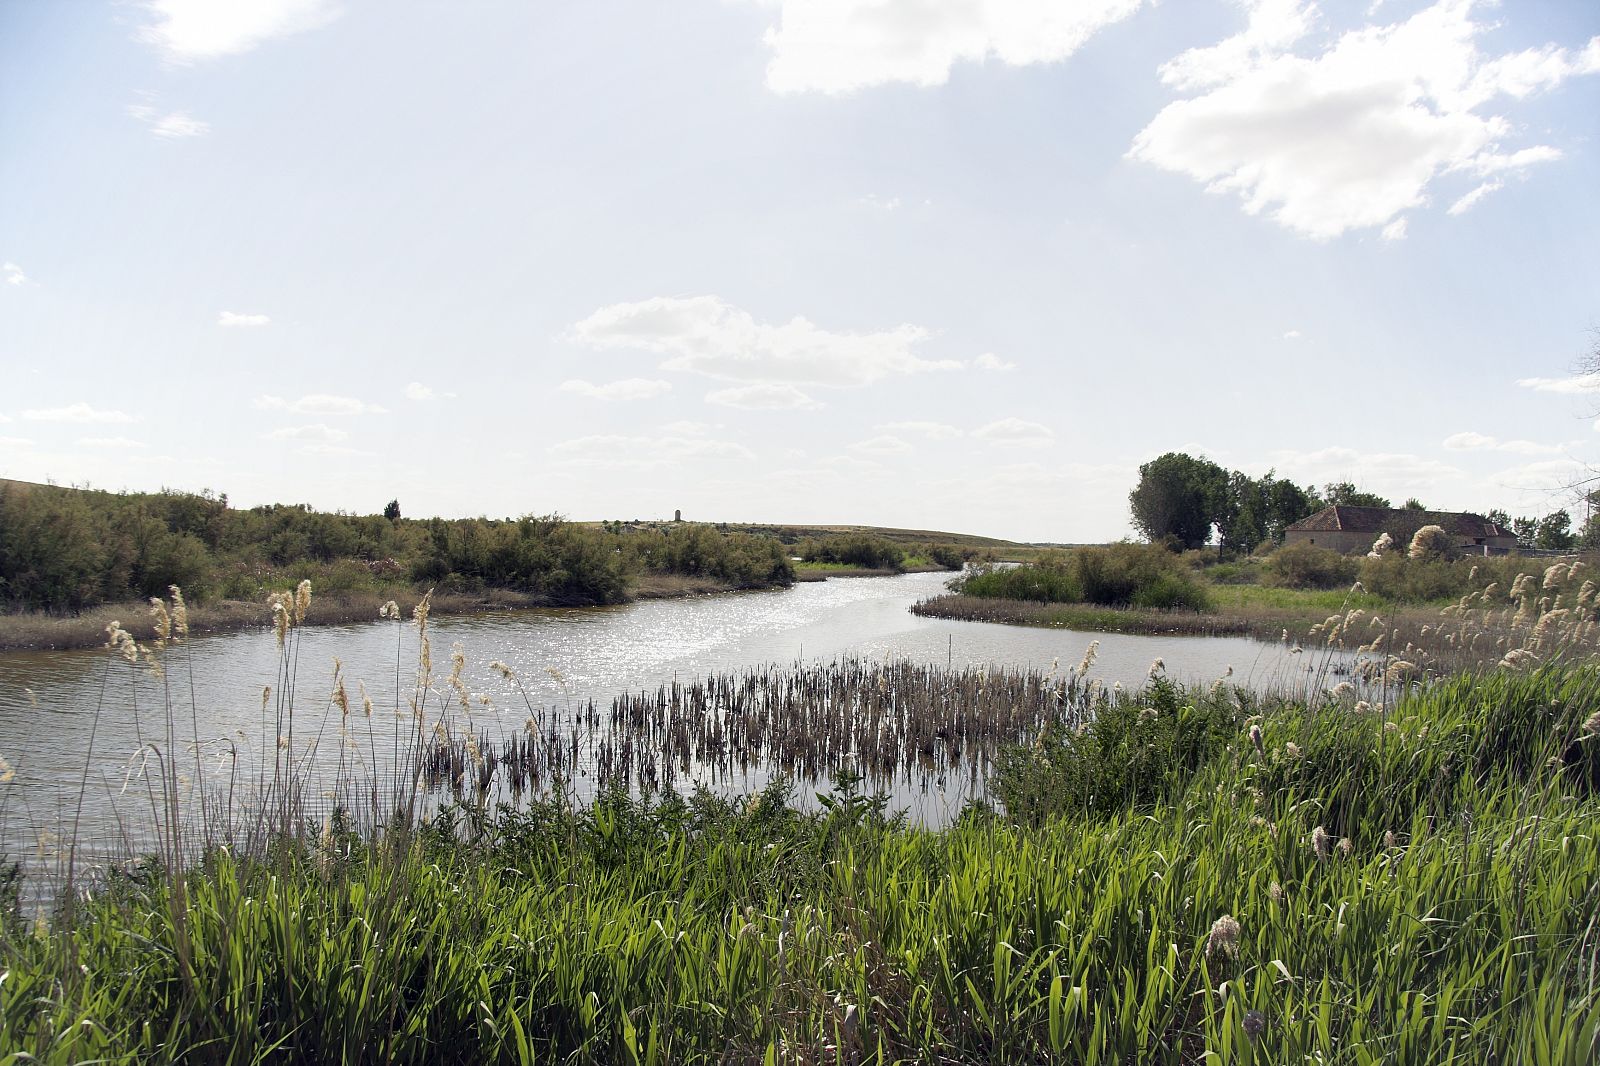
column 1442, row 639
column 823, row 571
column 42, row 632
column 1249, row 891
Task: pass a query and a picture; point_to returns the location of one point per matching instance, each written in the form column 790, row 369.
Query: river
column 564, row 658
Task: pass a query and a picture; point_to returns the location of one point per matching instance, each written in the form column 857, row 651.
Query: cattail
column 1275, row 891
column 302, row 600
column 1156, row 668
column 1320, row 846
column 1591, row 725
column 180, row 613
column 1344, row 692
column 280, row 616
column 1554, row 576
column 121, row 641
column 1255, row 739
column 163, row 621
column 1399, row 671
column 1428, row 541
column 1363, row 707
column 1254, row 1023
column 1381, row 547
column 1088, row 657
column 1346, row 847
column 1224, row 937
column 390, row 609
column 1389, row 841
column 1518, row 659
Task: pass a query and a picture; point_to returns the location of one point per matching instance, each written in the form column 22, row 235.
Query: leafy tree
column 1499, row 518
column 1554, row 532
column 1178, row 497
column 1525, row 529
column 1413, row 504
column 391, row 510
column 1345, row 494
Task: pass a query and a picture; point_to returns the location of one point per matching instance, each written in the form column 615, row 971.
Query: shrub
column 1306, row 566
column 1121, row 575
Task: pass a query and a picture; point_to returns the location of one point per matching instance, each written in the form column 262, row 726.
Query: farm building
column 1353, row 529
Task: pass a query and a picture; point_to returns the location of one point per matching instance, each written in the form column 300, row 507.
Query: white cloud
column 312, row 434
column 685, row 428
column 882, row 445
column 110, row 442
column 4, row 419
column 78, row 412
column 172, row 125
column 761, row 398
column 1480, row 442
column 1574, row 385
column 626, row 389
column 1354, row 135
column 1015, row 432
column 15, row 442
column 186, row 30
column 881, row 203
column 1292, row 335
column 319, row 404
column 1393, row 474
column 705, row 335
column 990, row 361
column 930, row 430
column 838, row 46
column 1470, row 200
column 13, row 274
column 615, row 450
column 232, row 320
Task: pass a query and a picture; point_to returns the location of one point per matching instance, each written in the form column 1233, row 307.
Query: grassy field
column 1171, row 876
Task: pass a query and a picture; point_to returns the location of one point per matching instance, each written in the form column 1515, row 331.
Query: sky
column 957, row 266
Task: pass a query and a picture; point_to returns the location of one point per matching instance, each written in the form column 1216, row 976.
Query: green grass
column 1459, row 925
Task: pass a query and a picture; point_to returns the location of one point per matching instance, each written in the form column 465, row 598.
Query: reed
column 1314, row 879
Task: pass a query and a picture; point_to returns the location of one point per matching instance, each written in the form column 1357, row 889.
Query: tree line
column 62, row 550
column 1186, row 502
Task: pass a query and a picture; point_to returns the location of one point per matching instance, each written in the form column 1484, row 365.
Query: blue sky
column 960, row 266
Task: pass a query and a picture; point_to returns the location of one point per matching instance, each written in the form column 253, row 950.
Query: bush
column 1306, row 566
column 1121, row 575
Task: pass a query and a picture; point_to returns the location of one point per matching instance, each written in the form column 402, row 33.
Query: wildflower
column 1320, row 846
column 1224, row 937
column 1254, row 1024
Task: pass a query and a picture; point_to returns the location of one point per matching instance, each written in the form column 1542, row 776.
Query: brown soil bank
column 42, row 632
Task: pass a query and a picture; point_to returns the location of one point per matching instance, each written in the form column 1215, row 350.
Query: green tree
column 1555, row 532
column 1178, row 497
column 391, row 510
column 1413, row 504
column 1345, row 494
